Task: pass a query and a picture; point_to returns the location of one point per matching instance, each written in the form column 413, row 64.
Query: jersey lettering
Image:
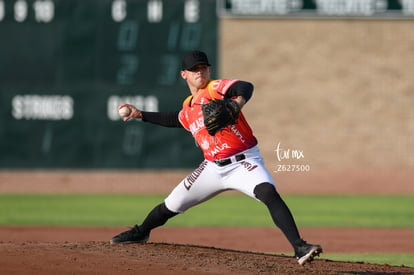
column 237, row 133
column 196, row 125
column 218, row 149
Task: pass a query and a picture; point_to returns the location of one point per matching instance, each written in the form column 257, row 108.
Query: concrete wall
column 340, row 91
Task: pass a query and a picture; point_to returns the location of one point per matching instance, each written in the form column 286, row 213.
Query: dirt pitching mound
column 164, row 258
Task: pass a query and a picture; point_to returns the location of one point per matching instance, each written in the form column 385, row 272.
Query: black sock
column 157, row 217
column 281, row 215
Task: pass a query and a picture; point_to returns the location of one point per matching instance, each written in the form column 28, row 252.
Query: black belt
column 224, row 162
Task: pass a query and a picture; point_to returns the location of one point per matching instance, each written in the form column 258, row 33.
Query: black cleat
column 305, row 252
column 131, row 236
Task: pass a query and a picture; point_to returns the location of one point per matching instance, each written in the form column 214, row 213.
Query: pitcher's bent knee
column 265, row 192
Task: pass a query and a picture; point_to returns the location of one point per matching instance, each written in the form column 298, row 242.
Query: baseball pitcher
column 232, row 161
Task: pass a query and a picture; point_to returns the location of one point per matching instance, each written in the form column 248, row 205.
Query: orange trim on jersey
column 188, row 100
column 210, row 90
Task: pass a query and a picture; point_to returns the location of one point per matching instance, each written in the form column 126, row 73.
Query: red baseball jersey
column 227, row 142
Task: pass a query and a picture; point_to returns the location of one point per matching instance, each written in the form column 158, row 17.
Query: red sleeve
column 218, row 88
column 182, row 117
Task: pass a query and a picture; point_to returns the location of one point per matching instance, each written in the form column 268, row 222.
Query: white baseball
column 124, row 111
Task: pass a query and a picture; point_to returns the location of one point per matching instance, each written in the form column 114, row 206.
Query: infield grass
column 224, row 210
column 396, row 259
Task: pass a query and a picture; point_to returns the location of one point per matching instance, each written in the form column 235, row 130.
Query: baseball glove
column 218, row 114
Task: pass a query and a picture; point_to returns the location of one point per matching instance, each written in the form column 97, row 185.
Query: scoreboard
column 65, row 66
column 318, row 9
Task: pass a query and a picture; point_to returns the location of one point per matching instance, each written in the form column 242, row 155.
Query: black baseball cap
column 194, row 58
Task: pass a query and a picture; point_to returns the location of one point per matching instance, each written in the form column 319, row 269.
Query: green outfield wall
column 65, row 66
